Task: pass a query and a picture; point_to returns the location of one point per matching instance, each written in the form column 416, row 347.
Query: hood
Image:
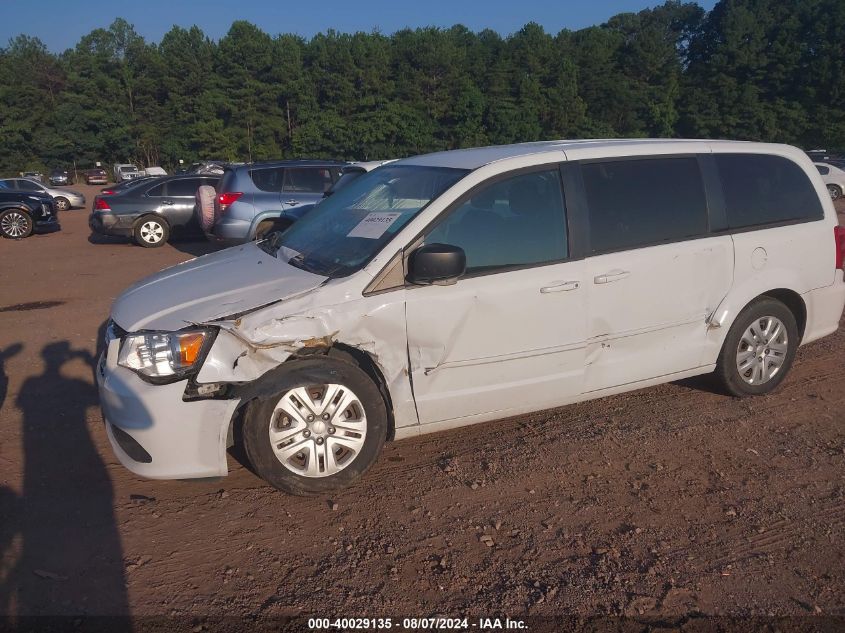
column 234, row 280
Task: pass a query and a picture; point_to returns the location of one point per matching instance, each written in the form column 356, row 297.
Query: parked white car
column 155, row 171
column 464, row 286
column 126, row 171
column 834, row 179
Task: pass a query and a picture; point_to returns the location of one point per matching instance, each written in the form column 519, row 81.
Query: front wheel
column 319, row 431
column 62, row 204
column 759, row 349
column 15, row 224
column 834, row 191
column 151, row 232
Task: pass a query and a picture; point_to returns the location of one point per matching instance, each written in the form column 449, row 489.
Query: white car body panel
column 637, row 328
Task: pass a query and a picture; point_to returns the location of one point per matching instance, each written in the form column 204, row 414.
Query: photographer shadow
column 61, row 531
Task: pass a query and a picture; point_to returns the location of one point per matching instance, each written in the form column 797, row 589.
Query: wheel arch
column 793, row 301
column 268, row 382
column 16, row 207
column 263, row 216
column 150, row 214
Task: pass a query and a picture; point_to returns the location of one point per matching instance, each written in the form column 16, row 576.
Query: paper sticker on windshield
column 374, row 225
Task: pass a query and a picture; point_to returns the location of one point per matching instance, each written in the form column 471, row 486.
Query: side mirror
column 435, row 263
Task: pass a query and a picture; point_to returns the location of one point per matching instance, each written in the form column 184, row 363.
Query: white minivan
column 464, row 286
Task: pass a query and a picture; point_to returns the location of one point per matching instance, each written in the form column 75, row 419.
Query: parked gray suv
column 256, row 198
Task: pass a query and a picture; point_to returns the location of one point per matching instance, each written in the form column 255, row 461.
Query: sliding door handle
column 610, row 277
column 561, row 286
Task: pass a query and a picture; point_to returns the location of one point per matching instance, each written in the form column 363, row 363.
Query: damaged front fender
column 253, row 344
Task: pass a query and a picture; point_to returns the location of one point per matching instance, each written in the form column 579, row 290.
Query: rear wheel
column 835, row 192
column 319, row 431
column 151, row 231
column 759, row 349
column 15, row 224
column 266, row 227
column 62, row 204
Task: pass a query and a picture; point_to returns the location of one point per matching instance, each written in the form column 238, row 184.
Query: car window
column 157, row 191
column 513, row 222
column 183, row 188
column 5, row 184
column 28, row 185
column 824, row 171
column 635, row 203
column 764, row 189
column 269, row 178
column 307, row 179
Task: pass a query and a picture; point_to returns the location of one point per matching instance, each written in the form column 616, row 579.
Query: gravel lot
column 666, row 502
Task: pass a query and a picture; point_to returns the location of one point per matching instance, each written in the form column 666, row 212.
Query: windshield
column 346, row 230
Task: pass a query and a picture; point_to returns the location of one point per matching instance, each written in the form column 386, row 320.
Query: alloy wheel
column 15, row 224
column 152, row 232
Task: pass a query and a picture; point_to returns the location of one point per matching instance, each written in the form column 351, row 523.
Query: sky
column 60, row 23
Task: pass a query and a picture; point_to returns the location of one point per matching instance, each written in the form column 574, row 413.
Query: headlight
column 164, row 354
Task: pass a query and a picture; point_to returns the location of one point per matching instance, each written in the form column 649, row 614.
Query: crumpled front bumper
column 180, row 440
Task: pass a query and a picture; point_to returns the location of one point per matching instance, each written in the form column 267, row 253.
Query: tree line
column 771, row 70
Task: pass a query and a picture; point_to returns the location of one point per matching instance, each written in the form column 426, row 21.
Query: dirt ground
column 666, row 502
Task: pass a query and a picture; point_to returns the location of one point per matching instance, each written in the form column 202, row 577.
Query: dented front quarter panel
column 336, row 313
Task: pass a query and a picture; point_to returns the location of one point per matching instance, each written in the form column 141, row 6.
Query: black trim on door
column 576, row 209
column 717, row 215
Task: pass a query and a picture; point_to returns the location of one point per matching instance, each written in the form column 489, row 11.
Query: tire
column 304, row 455
column 835, row 192
column 206, row 207
column 151, row 231
column 760, row 354
column 62, row 204
column 15, row 224
column 266, row 227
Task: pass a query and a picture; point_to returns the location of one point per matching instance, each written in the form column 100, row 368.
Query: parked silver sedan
column 64, row 198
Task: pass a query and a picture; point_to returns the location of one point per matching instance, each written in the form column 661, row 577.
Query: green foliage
column 752, row 69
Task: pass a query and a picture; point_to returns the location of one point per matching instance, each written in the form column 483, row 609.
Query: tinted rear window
column 308, row 179
column 184, row 188
column 268, row 178
column 761, row 189
column 824, row 171
column 636, row 203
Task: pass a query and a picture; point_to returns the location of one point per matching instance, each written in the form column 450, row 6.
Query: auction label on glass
column 374, row 225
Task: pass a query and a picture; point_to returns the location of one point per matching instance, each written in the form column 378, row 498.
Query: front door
column 509, row 335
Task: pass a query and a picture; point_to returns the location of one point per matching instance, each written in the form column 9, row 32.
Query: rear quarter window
column 761, row 189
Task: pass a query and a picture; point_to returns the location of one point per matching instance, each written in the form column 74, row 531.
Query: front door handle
column 167, row 203
column 610, row 277
column 292, row 203
column 561, row 286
